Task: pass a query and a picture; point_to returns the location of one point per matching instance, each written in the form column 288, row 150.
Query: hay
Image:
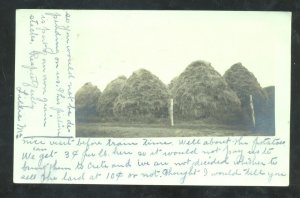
column 143, row 97
column 108, row 97
column 200, row 92
column 244, row 83
column 86, row 99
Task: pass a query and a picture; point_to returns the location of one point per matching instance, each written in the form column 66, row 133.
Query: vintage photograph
column 176, row 73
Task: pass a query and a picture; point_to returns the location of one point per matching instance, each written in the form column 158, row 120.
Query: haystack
column 108, row 97
column 244, row 83
column 143, row 97
column 200, row 92
column 86, row 99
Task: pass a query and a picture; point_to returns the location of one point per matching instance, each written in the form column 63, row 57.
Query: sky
column 109, row 44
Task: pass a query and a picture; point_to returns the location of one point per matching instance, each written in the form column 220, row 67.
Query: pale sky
column 113, row 43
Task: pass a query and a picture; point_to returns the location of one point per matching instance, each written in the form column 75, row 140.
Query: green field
column 138, row 130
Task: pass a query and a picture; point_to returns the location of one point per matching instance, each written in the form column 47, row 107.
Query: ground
column 139, row 130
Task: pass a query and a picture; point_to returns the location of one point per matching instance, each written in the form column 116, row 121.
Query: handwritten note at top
column 44, row 91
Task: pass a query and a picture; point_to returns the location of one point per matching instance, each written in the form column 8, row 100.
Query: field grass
column 139, row 130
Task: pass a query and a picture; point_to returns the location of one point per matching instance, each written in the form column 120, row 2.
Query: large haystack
column 86, row 99
column 108, row 97
column 143, row 97
column 244, row 83
column 200, row 92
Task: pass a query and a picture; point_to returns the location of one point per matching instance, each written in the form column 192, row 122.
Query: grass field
column 138, row 130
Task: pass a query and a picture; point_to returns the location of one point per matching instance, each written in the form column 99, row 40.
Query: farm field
column 138, row 130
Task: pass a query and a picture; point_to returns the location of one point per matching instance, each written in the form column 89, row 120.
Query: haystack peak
column 141, row 71
column 122, row 77
column 199, row 65
column 116, row 82
column 200, row 62
column 238, row 65
column 119, row 78
column 88, row 84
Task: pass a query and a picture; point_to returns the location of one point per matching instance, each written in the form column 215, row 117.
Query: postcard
column 152, row 97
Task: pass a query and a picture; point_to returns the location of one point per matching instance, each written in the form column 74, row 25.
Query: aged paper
column 152, row 97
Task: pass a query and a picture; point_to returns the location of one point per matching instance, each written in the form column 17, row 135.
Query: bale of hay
column 244, row 83
column 86, row 99
column 144, row 97
column 200, row 92
column 108, row 97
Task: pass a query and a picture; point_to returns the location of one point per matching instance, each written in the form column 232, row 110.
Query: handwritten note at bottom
column 186, row 161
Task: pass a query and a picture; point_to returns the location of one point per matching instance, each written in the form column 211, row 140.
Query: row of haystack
column 140, row 97
column 199, row 92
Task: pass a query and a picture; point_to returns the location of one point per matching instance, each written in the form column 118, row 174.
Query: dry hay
column 200, row 92
column 143, row 97
column 108, row 97
column 86, row 99
column 244, row 83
